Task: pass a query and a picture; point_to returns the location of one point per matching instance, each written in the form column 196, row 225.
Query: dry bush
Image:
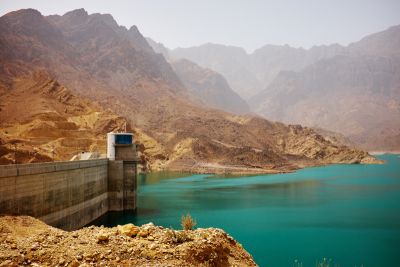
column 177, row 236
column 187, row 222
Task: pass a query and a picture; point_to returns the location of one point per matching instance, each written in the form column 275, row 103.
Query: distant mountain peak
column 24, row 12
column 133, row 28
column 81, row 12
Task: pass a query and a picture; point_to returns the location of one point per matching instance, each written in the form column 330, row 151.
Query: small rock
column 35, row 246
column 74, row 263
column 143, row 233
column 60, row 235
column 153, row 246
column 102, row 237
column 61, row 261
column 117, row 259
column 148, row 225
column 7, row 263
column 128, row 229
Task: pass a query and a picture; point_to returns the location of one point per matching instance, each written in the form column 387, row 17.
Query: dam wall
column 68, row 195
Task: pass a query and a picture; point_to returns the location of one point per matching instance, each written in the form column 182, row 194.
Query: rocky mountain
column 207, row 86
column 210, row 87
column 102, row 62
column 351, row 90
column 385, row 43
column 357, row 93
column 232, row 62
column 249, row 74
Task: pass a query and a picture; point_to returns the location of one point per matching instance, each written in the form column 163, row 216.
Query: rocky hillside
column 357, row 94
column 27, row 241
column 41, row 120
column 98, row 60
column 210, row 87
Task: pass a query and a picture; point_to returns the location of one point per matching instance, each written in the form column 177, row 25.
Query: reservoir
column 347, row 213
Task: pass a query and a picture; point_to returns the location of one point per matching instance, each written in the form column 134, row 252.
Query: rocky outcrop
column 27, row 241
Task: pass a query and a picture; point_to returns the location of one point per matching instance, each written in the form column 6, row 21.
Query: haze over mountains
column 107, row 69
column 352, row 90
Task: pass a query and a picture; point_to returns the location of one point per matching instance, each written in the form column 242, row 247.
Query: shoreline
column 379, row 153
column 216, row 169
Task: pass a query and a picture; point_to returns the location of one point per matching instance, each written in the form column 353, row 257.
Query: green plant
column 187, row 222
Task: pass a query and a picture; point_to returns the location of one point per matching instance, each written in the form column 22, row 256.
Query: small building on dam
column 71, row 194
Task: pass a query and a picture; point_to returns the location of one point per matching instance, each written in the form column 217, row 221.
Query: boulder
column 128, row 229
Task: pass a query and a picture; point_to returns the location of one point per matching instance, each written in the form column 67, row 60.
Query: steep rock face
column 210, row 87
column 385, row 43
column 232, row 62
column 174, row 133
column 111, row 53
column 358, row 96
column 268, row 61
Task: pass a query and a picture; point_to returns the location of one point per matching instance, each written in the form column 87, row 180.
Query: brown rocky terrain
column 27, row 241
column 41, row 120
column 99, row 61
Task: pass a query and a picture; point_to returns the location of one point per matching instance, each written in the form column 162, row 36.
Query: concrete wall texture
column 70, row 194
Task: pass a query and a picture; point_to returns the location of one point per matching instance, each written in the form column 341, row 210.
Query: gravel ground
column 27, row 241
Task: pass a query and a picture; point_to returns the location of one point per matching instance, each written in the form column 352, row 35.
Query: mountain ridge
column 280, row 74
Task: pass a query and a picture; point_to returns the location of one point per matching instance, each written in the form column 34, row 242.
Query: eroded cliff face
column 83, row 75
column 25, row 241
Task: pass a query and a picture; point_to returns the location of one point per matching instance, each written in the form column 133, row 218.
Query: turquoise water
column 350, row 213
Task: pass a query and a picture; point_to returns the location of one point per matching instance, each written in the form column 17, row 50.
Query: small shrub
column 187, row 222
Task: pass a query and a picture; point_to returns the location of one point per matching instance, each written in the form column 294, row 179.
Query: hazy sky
column 249, row 24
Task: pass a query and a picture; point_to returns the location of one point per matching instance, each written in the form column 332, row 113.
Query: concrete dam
column 71, row 194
